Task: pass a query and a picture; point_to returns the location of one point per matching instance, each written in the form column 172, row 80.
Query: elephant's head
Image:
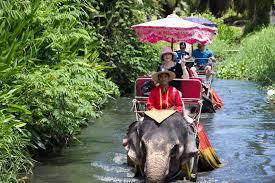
column 159, row 149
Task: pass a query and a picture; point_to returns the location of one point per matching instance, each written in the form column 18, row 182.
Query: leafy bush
column 255, row 59
column 222, row 49
column 120, row 45
column 62, row 100
column 226, row 33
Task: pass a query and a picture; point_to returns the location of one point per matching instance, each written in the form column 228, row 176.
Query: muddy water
column 243, row 134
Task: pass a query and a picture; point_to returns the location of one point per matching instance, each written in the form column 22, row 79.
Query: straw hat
column 171, row 74
column 167, row 50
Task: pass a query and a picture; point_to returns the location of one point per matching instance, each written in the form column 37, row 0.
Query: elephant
column 159, row 150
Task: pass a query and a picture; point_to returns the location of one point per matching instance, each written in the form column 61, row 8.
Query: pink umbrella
column 174, row 29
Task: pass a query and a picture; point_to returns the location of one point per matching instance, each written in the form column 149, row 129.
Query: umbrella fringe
column 208, row 157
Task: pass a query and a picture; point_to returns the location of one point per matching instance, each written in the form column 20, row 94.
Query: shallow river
column 243, row 135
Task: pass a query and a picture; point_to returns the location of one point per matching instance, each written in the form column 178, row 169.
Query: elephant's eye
column 175, row 150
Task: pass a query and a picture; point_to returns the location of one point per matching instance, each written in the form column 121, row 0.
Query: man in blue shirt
column 203, row 60
column 181, row 53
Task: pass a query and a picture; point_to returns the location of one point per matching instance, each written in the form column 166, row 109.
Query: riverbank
column 254, row 59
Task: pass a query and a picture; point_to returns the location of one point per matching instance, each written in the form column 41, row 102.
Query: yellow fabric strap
column 187, row 169
column 160, row 97
column 166, row 99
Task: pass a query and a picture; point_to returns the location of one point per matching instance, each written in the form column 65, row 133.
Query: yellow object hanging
column 185, row 169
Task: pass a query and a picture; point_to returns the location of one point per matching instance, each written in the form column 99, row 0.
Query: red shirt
column 159, row 100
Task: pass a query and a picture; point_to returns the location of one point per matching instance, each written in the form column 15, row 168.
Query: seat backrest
column 139, row 84
column 191, row 88
column 200, row 79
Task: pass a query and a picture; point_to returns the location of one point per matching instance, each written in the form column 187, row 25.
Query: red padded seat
column 190, row 89
column 139, row 83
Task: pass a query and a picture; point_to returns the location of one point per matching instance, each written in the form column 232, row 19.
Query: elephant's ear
column 131, row 142
column 190, row 146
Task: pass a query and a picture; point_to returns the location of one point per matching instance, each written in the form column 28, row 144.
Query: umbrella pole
column 172, row 44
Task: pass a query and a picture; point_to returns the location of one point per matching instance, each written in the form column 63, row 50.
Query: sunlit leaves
column 254, row 59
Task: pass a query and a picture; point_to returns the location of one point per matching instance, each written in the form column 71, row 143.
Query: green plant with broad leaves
column 62, row 100
column 119, row 44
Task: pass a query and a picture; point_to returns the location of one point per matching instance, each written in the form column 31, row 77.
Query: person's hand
column 212, row 59
column 173, row 108
column 183, row 61
column 188, row 119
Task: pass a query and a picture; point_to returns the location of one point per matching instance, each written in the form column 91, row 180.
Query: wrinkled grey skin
column 157, row 150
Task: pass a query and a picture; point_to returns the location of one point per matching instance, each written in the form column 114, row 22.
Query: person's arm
column 181, row 108
column 179, row 104
column 185, row 74
column 194, row 71
column 212, row 57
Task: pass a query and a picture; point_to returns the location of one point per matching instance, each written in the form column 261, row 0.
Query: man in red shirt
column 165, row 96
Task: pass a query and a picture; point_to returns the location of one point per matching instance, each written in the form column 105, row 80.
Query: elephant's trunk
column 156, row 167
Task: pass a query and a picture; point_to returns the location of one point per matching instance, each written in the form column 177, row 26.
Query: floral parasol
column 174, row 29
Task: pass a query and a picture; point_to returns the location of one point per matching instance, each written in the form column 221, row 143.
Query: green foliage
column 255, row 59
column 14, row 139
column 226, row 33
column 224, row 43
column 62, row 100
column 222, row 49
column 120, row 45
column 49, row 60
column 258, row 13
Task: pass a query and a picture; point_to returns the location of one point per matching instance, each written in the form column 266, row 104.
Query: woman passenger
column 168, row 63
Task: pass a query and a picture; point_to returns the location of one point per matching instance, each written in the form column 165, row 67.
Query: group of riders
column 178, row 65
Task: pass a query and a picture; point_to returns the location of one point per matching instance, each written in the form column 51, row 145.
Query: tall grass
column 255, row 59
column 13, row 139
